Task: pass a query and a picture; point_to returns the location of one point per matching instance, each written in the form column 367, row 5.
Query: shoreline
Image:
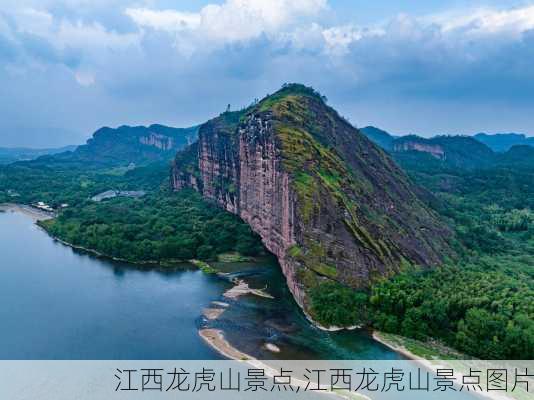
column 377, row 336
column 433, row 365
column 35, row 214
column 216, row 340
column 38, row 216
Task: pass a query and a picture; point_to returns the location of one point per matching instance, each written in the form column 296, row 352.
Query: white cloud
column 297, row 23
column 166, row 20
column 338, row 38
column 62, row 32
column 90, row 36
column 486, row 21
column 37, row 22
column 232, row 21
column 44, row 39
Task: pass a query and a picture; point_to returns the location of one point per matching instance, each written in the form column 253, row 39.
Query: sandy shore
column 212, row 313
column 34, row 213
column 242, row 288
column 215, row 338
column 433, row 365
column 398, row 349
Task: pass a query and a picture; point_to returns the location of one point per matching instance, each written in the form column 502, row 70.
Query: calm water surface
column 57, row 303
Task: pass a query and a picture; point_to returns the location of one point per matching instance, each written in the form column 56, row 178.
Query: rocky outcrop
column 434, row 150
column 124, row 146
column 161, row 142
column 464, row 152
column 325, row 200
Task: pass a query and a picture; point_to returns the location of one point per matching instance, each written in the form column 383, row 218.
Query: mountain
column 123, row 146
column 443, row 151
column 13, row 154
column 502, row 142
column 380, row 137
column 437, row 153
column 517, row 156
column 331, row 205
column 440, row 153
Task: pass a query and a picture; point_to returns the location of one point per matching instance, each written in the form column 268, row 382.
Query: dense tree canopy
column 159, row 227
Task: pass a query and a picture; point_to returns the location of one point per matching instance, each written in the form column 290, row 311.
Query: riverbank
column 417, row 350
column 32, row 212
column 434, row 356
column 216, row 340
column 169, row 263
column 153, row 263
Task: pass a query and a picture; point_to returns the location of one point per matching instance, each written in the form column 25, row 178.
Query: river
column 59, row 303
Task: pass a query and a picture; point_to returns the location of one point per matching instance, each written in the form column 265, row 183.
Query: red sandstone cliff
column 325, row 200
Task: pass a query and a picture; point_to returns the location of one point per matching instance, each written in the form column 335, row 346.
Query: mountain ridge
column 449, row 151
column 14, row 154
column 326, row 201
column 122, row 146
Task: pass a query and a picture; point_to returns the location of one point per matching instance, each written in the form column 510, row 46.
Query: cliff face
column 325, row 200
column 161, row 142
column 122, row 146
column 434, row 150
column 450, row 151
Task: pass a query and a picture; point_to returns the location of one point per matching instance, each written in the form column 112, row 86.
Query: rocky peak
column 330, row 204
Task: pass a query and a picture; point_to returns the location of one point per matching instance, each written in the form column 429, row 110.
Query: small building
column 43, row 206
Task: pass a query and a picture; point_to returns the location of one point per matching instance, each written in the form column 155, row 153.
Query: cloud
column 166, row 20
column 130, row 61
column 233, row 21
column 486, row 21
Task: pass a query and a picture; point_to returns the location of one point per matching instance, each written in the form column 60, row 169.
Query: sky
column 68, row 67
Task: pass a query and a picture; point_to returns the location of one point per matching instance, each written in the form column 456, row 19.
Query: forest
column 160, row 227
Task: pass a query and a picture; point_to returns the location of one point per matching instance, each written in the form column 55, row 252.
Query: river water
column 58, row 303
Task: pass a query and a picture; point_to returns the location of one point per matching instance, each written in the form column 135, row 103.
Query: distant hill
column 439, row 152
column 9, row 155
column 446, row 152
column 517, row 156
column 450, row 151
column 502, row 142
column 123, row 146
column 379, row 136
